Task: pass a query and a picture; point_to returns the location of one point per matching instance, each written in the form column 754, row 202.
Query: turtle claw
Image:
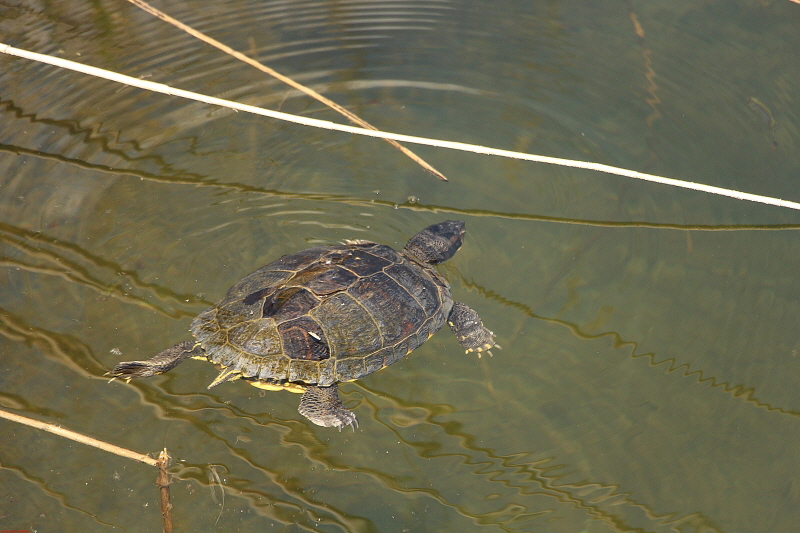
column 485, row 348
column 338, row 419
column 346, row 420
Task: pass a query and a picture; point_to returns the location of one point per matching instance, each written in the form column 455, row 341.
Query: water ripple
column 51, row 256
column 668, row 365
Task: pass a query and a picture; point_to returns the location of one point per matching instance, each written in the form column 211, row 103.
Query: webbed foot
column 163, row 362
column 322, row 406
column 470, row 331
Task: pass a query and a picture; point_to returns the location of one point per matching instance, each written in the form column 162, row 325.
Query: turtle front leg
column 163, row 362
column 469, row 330
column 322, row 406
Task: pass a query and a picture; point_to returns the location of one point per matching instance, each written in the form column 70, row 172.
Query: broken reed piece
column 285, row 79
column 77, row 437
column 162, row 482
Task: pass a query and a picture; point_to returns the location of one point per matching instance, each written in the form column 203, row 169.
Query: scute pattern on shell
column 325, row 315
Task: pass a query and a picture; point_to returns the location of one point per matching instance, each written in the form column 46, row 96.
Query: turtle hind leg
column 469, row 330
column 322, row 406
column 163, row 362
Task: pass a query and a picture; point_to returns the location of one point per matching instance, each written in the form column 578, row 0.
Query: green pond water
column 649, row 370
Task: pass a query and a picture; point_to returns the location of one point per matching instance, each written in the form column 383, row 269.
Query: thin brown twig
column 77, row 437
column 162, row 482
column 260, row 66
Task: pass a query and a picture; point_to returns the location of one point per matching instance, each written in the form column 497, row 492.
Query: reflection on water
column 647, row 380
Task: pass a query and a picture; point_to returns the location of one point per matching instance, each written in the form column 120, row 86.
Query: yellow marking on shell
column 291, row 387
column 203, row 357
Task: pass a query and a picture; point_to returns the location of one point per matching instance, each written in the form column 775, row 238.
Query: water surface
column 648, row 375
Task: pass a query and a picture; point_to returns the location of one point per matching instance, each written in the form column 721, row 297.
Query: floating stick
column 162, row 482
column 285, row 79
column 77, row 437
column 166, row 89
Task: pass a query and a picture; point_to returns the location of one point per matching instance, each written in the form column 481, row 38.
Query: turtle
column 327, row 315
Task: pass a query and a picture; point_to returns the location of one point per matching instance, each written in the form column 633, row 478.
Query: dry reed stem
column 300, row 87
column 166, row 89
column 162, row 482
column 77, row 437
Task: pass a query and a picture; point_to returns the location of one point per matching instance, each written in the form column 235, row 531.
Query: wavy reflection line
column 316, row 454
column 104, row 169
column 60, row 497
column 78, row 277
column 695, row 521
column 537, row 472
column 316, row 512
column 488, row 463
column 36, row 245
column 393, row 484
column 89, row 134
column 196, row 180
column 180, row 178
column 77, row 357
column 63, row 349
column 19, row 403
column 740, row 392
column 494, row 467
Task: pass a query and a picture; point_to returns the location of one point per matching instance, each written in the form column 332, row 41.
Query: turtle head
column 436, row 243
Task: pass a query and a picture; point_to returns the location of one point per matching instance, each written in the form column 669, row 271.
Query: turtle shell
column 325, row 315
